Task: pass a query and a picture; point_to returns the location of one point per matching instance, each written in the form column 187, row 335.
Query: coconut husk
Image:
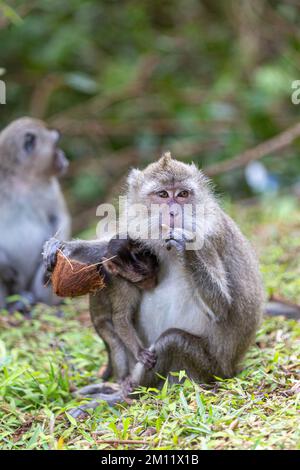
column 72, row 278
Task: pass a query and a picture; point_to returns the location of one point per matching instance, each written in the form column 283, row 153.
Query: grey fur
column 32, row 208
column 203, row 319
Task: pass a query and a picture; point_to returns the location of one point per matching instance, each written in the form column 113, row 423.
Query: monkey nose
column 56, row 135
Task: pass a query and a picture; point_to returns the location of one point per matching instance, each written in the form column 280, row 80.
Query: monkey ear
column 135, row 178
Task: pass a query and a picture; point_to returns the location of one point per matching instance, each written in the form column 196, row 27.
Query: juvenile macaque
column 127, row 268
column 32, row 208
column 203, row 314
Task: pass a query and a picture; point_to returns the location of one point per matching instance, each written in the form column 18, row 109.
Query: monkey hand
column 178, row 239
column 147, row 358
column 50, row 254
column 9, row 274
column 179, row 245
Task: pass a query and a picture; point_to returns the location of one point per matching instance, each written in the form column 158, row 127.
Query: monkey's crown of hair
column 166, row 158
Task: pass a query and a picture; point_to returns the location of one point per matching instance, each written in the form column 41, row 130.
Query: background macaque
column 32, row 208
column 204, row 312
column 128, row 268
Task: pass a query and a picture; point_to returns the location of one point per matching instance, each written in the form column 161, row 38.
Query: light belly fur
column 172, row 304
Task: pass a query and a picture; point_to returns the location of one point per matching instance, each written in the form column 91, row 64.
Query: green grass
column 44, row 359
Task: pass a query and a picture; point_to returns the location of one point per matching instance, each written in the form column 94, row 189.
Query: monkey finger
column 50, row 253
column 147, row 358
column 184, row 235
column 179, row 245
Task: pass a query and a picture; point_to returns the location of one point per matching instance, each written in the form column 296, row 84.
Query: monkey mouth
column 60, row 162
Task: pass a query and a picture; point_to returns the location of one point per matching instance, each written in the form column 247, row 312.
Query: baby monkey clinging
column 128, row 268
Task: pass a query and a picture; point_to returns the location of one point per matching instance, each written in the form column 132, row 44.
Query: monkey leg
column 3, row 295
column 178, row 350
column 118, row 362
column 111, row 397
column 125, row 329
column 12, row 283
column 9, row 278
column 100, row 310
column 108, row 370
column 23, row 305
column 124, row 301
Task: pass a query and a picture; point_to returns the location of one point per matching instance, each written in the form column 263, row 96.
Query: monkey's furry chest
column 172, row 304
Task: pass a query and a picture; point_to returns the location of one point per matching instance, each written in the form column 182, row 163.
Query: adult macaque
column 204, row 312
column 32, row 208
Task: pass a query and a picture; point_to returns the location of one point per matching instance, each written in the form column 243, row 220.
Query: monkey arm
column 210, row 278
column 3, row 295
column 85, row 251
column 179, row 350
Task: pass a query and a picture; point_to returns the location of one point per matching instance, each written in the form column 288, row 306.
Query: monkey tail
column 278, row 307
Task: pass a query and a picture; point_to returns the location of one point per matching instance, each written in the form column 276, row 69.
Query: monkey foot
column 23, row 305
column 147, row 358
column 95, row 390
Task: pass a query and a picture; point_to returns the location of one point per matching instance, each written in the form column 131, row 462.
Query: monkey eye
column 183, row 193
column 29, row 141
column 163, row 194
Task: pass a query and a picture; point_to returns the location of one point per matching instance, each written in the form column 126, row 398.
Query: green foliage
column 212, row 76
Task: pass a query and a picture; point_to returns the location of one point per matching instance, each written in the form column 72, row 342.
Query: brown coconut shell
column 72, row 278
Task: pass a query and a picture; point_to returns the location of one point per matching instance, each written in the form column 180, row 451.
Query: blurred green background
column 124, row 80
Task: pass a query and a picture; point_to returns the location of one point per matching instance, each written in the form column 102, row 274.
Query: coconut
column 71, row 278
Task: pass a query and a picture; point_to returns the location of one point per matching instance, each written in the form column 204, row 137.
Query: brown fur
column 204, row 312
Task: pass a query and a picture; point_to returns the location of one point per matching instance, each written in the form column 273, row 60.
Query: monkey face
column 27, row 145
column 175, row 195
column 133, row 262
